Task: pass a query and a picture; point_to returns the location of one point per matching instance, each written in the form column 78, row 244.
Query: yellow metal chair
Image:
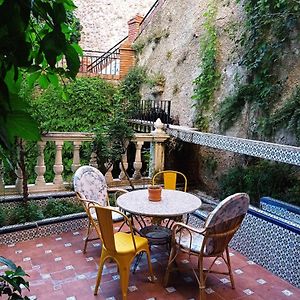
column 91, row 188
column 210, row 241
column 120, row 246
column 170, row 179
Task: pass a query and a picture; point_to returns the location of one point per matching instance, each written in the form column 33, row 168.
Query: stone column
column 76, row 156
column 125, row 164
column 108, row 175
column 137, row 165
column 2, row 187
column 58, row 166
column 40, row 167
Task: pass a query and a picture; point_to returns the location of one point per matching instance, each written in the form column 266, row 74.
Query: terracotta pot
column 154, row 192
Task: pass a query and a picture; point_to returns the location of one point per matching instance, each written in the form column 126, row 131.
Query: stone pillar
column 125, row 164
column 58, row 166
column 137, row 165
column 2, row 187
column 40, row 167
column 93, row 160
column 76, row 156
column 108, row 175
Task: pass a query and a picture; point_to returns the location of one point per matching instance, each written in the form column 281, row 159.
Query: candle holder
column 154, row 192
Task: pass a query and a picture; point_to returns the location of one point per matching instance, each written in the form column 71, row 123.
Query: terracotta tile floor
column 59, row 270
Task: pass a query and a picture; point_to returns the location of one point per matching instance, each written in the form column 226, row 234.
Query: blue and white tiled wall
column 272, row 242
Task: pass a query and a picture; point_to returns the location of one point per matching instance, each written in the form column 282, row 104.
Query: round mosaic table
column 172, row 204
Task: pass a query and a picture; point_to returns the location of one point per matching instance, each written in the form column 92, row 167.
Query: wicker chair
column 91, row 188
column 211, row 240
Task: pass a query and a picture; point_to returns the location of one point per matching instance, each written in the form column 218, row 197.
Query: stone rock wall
column 104, row 22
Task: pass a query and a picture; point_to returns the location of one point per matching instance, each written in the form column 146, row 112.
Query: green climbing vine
column 269, row 28
column 207, row 81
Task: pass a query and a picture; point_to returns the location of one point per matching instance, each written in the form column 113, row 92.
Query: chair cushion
column 192, row 242
column 115, row 216
column 124, row 243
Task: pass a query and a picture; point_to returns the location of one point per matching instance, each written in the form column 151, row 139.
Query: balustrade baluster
column 125, row 165
column 137, row 165
column 108, row 175
column 58, row 166
column 40, row 167
column 76, row 156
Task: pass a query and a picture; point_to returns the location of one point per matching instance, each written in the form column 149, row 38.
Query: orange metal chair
column 120, row 246
column 170, row 179
column 210, row 241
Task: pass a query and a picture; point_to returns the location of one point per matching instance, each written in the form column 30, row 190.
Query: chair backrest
column 223, row 222
column 104, row 226
column 90, row 184
column 170, row 179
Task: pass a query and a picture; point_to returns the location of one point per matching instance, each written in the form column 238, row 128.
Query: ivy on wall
column 208, row 80
column 269, row 28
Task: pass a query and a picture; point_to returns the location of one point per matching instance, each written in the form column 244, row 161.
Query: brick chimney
column 133, row 28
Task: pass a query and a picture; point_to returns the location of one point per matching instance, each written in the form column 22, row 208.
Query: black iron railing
column 151, row 110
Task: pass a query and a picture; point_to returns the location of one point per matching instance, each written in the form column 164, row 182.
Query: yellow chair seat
column 124, row 244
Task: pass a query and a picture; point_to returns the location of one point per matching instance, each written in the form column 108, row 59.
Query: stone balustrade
column 156, row 140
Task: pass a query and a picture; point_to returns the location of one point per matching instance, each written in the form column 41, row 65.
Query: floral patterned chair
column 210, row 241
column 91, row 188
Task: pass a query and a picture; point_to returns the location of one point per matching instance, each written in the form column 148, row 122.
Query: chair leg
column 87, row 237
column 229, row 269
column 149, row 265
column 124, row 279
column 173, row 254
column 202, row 294
column 99, row 275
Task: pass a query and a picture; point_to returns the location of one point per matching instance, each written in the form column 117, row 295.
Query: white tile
column 11, row 245
column 39, row 245
column 218, row 262
column 89, row 258
column 132, row 288
column 248, row 292
column 70, row 267
column 185, row 261
column 225, row 280
column 209, row 291
column 82, row 276
column 78, row 251
column 110, row 298
column 170, row 289
column 152, row 298
column 238, row 271
column 231, row 254
column 18, row 251
column 36, row 267
column 45, row 276
column 261, row 281
column 76, row 233
column 3, row 267
column 58, row 238
column 48, row 251
column 96, row 245
column 71, row 298
column 154, row 277
column 287, row 293
column 250, row 262
column 116, row 277
column 26, row 259
column 33, row 297
column 57, row 258
column 57, row 287
column 68, row 244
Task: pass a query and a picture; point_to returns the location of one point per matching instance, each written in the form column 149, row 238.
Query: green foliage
column 34, row 42
column 208, row 80
column 264, row 178
column 55, row 208
column 27, row 212
column 268, row 30
column 287, row 116
column 138, row 46
column 89, row 102
column 157, row 79
column 12, row 281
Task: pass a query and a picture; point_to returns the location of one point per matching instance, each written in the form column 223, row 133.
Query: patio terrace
column 59, row 270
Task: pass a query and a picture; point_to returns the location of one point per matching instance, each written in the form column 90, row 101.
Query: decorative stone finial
column 158, row 125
